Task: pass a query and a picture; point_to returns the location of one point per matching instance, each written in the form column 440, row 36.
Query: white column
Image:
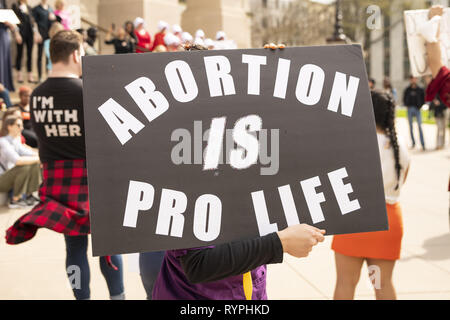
column 377, row 56
column 214, row 15
column 397, row 46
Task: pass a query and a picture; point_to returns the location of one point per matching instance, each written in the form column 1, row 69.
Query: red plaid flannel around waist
column 64, row 203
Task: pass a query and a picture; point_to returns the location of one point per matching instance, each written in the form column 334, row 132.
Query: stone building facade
column 293, row 22
column 244, row 21
column 209, row 15
column 231, row 16
column 388, row 56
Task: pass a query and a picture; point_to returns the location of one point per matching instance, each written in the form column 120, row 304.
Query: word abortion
column 183, row 86
column 208, row 207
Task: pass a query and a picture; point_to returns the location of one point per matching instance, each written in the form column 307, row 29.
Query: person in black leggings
column 77, row 268
column 44, row 17
column 29, row 34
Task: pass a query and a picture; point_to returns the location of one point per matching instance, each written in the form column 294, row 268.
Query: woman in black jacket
column 122, row 42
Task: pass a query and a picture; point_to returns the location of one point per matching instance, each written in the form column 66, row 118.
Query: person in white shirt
column 222, row 43
column 19, row 165
column 380, row 249
column 186, row 38
column 176, row 30
column 209, row 44
column 199, row 38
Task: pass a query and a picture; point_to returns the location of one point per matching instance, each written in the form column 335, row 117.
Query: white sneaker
column 19, row 204
column 31, row 201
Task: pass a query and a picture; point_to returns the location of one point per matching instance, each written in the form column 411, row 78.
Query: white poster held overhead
column 7, row 15
column 75, row 16
column 414, row 19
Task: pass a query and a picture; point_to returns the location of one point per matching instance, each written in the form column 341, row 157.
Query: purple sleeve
column 182, row 252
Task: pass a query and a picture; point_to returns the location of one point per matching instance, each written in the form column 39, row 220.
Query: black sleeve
column 17, row 11
column 231, row 259
column 110, row 41
column 405, row 97
column 31, row 16
column 432, row 105
column 35, row 14
column 422, row 97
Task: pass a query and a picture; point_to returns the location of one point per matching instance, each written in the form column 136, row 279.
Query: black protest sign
column 190, row 149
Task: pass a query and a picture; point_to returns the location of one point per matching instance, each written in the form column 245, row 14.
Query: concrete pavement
column 36, row 269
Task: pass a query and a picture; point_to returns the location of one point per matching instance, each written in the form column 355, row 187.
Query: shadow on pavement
column 437, row 248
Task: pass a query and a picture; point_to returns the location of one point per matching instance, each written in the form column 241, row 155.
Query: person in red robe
column 159, row 37
column 440, row 85
column 144, row 40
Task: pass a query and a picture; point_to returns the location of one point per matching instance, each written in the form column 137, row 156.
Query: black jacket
column 26, row 21
column 414, row 97
column 40, row 15
column 439, row 109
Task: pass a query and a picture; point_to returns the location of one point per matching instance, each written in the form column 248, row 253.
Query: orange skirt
column 384, row 245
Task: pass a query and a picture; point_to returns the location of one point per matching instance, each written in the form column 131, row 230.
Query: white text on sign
column 182, row 84
column 208, row 207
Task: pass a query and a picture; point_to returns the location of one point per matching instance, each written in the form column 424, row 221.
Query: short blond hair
column 59, row 4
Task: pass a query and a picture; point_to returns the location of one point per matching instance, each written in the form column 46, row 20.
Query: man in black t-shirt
column 57, row 118
column 413, row 99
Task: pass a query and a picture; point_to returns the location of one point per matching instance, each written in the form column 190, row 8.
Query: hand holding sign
column 436, row 53
column 435, row 11
column 273, row 46
column 299, row 240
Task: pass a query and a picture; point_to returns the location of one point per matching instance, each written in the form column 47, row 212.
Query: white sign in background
column 7, row 15
column 75, row 16
column 416, row 44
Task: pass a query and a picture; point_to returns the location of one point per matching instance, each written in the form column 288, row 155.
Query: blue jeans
column 4, row 95
column 77, row 268
column 149, row 266
column 415, row 112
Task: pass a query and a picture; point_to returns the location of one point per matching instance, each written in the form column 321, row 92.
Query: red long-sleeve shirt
column 440, row 85
column 159, row 40
column 143, row 41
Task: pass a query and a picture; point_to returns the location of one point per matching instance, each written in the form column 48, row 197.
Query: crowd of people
column 413, row 100
column 53, row 163
column 133, row 37
column 39, row 24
